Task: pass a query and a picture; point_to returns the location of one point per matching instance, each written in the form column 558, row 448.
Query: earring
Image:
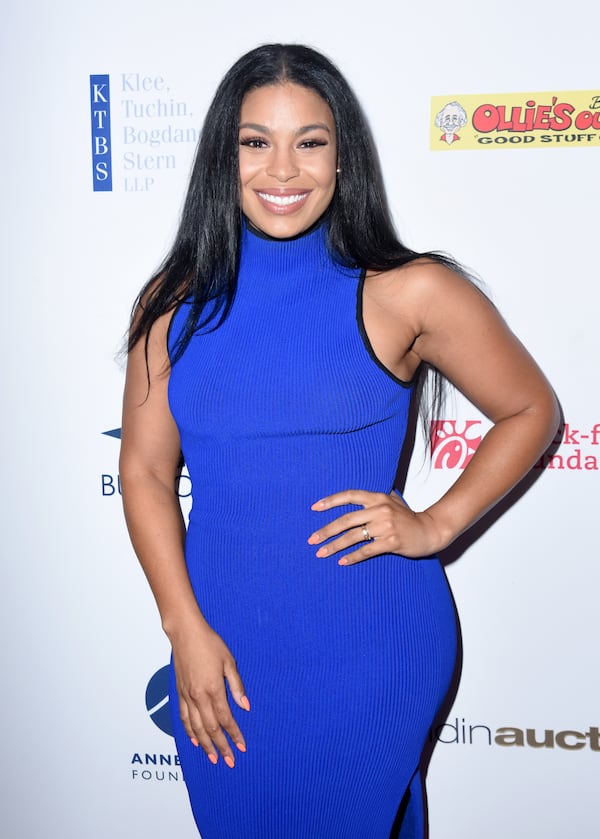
column 338, row 170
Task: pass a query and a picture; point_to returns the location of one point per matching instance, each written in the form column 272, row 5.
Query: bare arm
column 463, row 335
column 150, row 453
column 425, row 312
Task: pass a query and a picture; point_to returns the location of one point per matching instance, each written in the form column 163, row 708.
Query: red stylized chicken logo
column 453, row 443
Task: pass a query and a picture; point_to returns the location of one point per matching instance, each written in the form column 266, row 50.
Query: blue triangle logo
column 114, row 432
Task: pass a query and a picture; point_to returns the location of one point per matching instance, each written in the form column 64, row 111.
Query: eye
column 253, row 142
column 312, row 144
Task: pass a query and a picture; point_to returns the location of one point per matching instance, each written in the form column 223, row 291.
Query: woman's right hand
column 202, row 664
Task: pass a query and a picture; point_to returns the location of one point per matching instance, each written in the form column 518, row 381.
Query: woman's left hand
column 384, row 525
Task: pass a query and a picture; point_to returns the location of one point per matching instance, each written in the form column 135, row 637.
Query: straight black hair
column 203, row 262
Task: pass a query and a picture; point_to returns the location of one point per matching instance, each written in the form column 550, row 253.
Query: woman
column 278, row 348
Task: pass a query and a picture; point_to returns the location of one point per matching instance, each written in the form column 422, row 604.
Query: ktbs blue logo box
column 101, row 146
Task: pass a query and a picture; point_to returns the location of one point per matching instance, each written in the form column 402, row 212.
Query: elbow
column 139, row 475
column 548, row 411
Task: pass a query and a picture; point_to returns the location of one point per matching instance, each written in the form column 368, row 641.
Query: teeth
column 282, row 200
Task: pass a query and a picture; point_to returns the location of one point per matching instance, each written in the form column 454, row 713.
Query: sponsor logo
column 515, row 120
column 578, row 450
column 101, row 145
column 453, row 443
column 153, row 766
column 157, row 766
column 157, row 700
column 459, row 732
column 114, row 432
column 150, row 129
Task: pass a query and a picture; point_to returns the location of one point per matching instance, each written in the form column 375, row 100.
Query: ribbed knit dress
column 345, row 667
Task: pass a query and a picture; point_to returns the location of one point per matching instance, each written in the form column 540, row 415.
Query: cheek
column 247, row 170
column 325, row 174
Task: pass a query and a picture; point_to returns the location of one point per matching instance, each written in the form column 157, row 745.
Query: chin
column 281, row 228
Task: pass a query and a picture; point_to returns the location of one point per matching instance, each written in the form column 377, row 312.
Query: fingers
column 351, row 537
column 379, row 527
column 236, row 686
column 206, row 714
column 367, row 551
column 207, row 718
column 351, row 528
column 354, row 521
column 360, row 497
column 368, row 501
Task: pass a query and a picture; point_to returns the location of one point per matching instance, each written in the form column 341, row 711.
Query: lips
column 282, row 202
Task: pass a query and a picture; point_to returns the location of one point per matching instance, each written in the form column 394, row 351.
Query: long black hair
column 203, row 262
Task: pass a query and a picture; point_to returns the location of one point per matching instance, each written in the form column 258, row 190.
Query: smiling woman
column 278, row 348
column 288, row 158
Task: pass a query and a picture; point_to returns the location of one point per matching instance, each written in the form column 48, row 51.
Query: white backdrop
column 81, row 633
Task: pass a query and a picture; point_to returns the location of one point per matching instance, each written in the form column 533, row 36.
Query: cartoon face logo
column 451, row 119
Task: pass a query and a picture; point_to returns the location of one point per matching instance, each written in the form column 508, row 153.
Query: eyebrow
column 303, row 130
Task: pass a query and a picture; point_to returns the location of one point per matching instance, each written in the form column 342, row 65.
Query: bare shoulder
column 420, row 288
column 397, row 307
column 426, row 312
column 149, row 435
column 148, row 361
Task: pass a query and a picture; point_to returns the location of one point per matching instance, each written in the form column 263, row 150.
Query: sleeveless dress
column 345, row 667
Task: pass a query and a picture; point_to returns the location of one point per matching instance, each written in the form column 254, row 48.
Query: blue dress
column 345, row 667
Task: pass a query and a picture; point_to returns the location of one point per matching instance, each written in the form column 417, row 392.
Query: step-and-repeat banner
column 488, row 127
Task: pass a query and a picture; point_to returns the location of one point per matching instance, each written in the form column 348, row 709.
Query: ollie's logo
column 552, row 115
column 509, row 120
column 453, row 443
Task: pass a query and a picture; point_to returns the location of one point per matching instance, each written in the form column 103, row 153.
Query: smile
column 282, row 200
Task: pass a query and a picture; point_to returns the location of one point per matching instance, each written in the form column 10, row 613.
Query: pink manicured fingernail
column 245, row 703
column 229, row 761
column 343, row 561
column 314, row 538
column 322, row 552
column 241, row 747
column 213, row 758
column 194, row 742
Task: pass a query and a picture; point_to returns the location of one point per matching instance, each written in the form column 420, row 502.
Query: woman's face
column 288, row 158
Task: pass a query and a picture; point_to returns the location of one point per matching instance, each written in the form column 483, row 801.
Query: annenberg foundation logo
column 574, row 448
column 514, row 120
column 157, row 700
column 150, row 765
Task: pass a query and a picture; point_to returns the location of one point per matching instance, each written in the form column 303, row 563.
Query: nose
column 282, row 165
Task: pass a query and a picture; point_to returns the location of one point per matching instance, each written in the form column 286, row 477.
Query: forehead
column 285, row 106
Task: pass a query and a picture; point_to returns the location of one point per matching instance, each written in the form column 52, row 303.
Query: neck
column 262, row 235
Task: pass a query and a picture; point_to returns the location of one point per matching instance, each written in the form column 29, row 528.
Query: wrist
column 176, row 626
column 440, row 532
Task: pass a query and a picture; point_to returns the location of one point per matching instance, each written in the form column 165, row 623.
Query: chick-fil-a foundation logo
column 575, row 448
column 513, row 120
column 454, row 442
